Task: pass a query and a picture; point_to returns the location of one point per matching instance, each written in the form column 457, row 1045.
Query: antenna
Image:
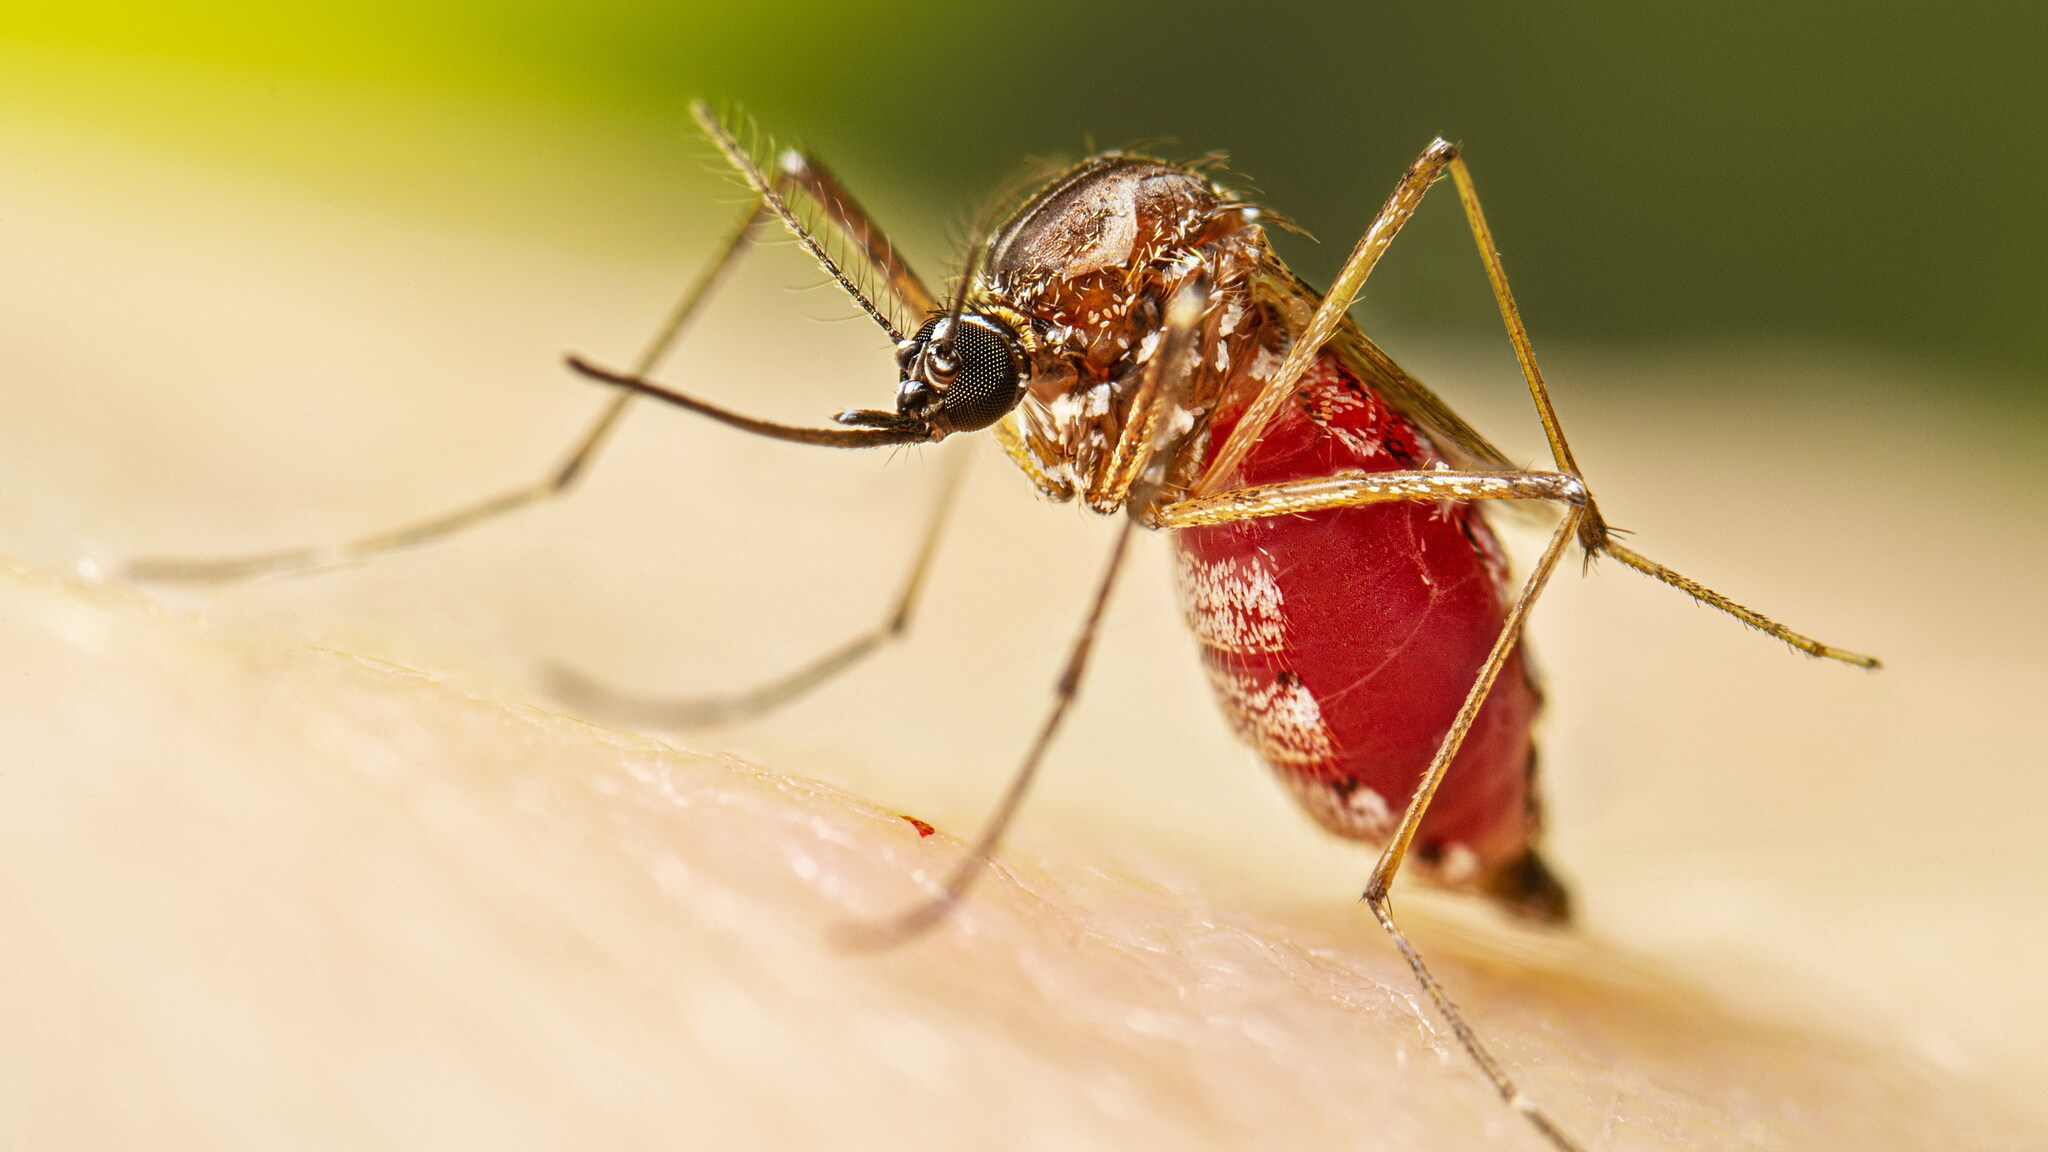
column 770, row 195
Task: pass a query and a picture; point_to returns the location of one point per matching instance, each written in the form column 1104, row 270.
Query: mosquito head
column 960, row 373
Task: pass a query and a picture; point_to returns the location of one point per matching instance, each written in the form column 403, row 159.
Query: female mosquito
column 1133, row 342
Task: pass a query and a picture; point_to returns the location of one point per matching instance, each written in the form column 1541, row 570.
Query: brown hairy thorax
column 1082, row 272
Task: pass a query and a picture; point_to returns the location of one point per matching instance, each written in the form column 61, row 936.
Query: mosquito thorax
column 960, row 374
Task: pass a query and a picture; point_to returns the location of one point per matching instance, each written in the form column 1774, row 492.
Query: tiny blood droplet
column 923, row 829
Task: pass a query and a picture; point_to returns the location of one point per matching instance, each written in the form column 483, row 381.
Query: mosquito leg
column 1348, row 490
column 1377, row 889
column 1427, row 169
column 1594, row 535
column 1356, row 489
column 582, row 692
column 883, row 934
column 1166, row 376
column 1383, row 911
column 1352, row 489
column 1511, row 316
column 1749, row 616
column 1144, row 437
column 1144, row 447
column 1329, row 315
column 175, row 569
column 842, row 224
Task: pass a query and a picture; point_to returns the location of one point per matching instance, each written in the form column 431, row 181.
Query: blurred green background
column 1864, row 180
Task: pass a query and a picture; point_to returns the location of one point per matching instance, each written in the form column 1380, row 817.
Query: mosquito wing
column 1462, row 445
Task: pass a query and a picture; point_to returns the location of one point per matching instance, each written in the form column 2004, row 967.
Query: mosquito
column 1132, row 341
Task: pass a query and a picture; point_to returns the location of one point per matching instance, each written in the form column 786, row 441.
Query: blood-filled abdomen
column 1341, row 644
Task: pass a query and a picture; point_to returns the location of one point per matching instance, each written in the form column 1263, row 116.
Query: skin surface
column 310, row 862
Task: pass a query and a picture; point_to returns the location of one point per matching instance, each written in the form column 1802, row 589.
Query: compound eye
column 928, row 356
column 988, row 370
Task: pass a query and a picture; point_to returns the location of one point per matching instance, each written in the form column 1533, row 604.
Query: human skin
column 264, row 892
column 315, row 862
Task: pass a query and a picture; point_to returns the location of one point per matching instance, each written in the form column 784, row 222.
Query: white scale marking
column 1368, row 803
column 1460, row 865
column 1282, row 721
column 1364, row 816
column 1233, row 604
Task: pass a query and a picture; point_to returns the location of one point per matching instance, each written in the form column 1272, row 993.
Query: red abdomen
column 1341, row 643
